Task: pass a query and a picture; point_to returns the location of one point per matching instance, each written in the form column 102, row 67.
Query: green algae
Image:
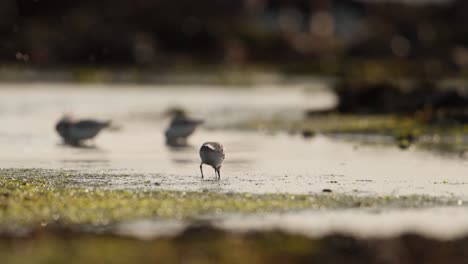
column 404, row 131
column 35, row 197
column 338, row 123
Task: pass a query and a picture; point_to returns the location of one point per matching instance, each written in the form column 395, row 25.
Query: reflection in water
column 177, row 143
column 179, row 153
column 182, row 161
column 78, row 146
column 84, row 149
column 181, row 148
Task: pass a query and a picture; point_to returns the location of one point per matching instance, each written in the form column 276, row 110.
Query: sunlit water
column 255, row 162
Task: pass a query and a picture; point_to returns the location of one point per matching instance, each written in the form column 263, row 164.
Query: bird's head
column 62, row 126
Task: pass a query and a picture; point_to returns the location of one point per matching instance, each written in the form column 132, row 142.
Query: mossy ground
column 51, row 203
column 38, row 197
column 404, row 130
column 339, row 123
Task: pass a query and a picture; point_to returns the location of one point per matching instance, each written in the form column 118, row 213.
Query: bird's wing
column 216, row 147
column 91, row 124
column 185, row 122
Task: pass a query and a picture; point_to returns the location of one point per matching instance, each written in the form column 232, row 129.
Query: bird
column 212, row 153
column 180, row 128
column 73, row 132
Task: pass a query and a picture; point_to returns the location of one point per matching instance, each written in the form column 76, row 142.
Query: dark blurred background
column 372, row 37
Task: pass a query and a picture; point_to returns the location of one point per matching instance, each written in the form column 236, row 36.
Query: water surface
column 255, row 162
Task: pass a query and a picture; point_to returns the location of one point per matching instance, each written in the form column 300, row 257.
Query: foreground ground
column 207, row 245
column 31, row 198
column 47, row 217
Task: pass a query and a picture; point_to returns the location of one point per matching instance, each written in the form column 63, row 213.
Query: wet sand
column 263, row 164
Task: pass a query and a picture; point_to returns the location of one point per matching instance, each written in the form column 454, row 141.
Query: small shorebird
column 180, row 128
column 73, row 132
column 212, row 153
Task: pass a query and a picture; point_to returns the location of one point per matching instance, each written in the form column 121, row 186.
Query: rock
column 404, row 144
column 424, row 98
column 306, row 133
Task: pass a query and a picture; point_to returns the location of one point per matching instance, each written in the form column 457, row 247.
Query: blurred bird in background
column 180, row 128
column 74, row 132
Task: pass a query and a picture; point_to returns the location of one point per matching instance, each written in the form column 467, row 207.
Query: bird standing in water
column 180, row 128
column 212, row 153
column 73, row 132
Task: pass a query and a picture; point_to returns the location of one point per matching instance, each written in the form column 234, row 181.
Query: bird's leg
column 201, row 170
column 219, row 173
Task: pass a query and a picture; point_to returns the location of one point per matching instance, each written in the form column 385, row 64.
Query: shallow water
column 255, row 162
